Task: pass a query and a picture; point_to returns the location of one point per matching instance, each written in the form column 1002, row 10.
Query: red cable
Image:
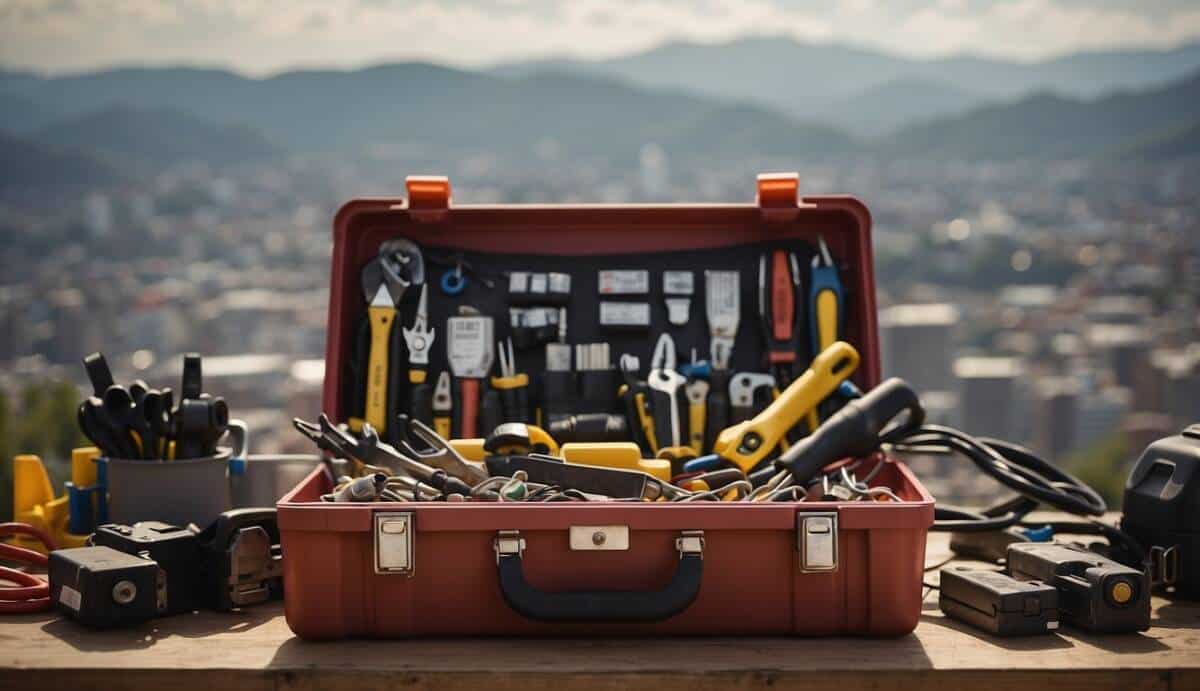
column 31, row 594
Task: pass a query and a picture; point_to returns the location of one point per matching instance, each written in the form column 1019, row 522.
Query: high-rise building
column 918, row 344
column 1055, row 416
column 990, row 397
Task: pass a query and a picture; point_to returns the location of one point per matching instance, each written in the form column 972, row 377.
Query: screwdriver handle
column 825, row 306
column 717, row 418
column 375, row 410
column 469, row 415
column 853, row 431
column 420, row 403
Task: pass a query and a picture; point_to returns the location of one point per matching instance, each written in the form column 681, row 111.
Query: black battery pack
column 101, row 587
column 177, row 551
column 1094, row 593
column 998, row 603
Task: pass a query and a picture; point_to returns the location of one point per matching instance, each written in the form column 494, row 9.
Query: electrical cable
column 31, row 593
column 1033, row 479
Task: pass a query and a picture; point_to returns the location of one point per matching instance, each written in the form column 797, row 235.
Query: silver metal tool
column 442, row 455
column 722, row 305
column 666, row 401
column 470, row 352
column 419, row 338
column 742, row 388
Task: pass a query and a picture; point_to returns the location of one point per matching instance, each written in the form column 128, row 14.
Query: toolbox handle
column 601, row 605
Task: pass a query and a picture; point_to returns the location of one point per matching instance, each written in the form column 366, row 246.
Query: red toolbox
column 397, row 569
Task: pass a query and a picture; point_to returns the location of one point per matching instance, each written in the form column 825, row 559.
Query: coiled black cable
column 1033, row 479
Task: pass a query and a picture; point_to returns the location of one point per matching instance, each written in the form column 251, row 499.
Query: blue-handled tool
column 825, row 300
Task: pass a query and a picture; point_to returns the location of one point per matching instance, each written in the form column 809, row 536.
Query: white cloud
column 261, row 36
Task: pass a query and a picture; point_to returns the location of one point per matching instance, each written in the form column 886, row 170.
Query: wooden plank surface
column 255, row 650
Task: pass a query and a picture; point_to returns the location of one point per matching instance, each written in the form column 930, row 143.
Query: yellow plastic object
column 34, row 501
column 470, row 449
column 441, row 425
column 747, row 443
column 696, row 416
column 381, row 318
column 621, row 454
column 827, row 322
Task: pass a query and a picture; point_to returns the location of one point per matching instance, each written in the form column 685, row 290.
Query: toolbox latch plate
column 394, row 543
column 690, row 542
column 599, row 538
column 817, row 541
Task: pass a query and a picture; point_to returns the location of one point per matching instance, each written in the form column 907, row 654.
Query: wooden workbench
column 256, row 650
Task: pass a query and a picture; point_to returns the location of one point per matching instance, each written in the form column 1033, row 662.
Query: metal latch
column 1164, row 565
column 507, row 543
column 817, row 538
column 599, row 537
column 690, row 542
column 394, row 543
column 253, row 564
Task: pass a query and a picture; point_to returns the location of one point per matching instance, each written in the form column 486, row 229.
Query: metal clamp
column 690, row 542
column 1164, row 565
column 508, row 543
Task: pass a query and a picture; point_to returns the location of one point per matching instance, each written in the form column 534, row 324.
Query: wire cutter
column 441, row 455
column 667, row 402
column 419, row 339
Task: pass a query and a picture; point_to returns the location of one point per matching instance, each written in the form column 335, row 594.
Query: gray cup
column 179, row 492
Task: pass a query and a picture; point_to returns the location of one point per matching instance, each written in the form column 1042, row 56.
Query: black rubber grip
column 603, row 605
column 420, row 404
column 717, row 416
column 558, row 392
column 491, row 412
column 98, row 373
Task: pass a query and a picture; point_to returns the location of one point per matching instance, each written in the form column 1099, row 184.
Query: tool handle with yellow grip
column 748, row 443
column 375, row 411
column 825, row 306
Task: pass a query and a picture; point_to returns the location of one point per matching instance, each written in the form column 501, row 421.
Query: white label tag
column 625, row 314
column 537, row 283
column 678, row 283
column 518, row 282
column 70, row 597
column 469, row 346
column 624, row 282
column 560, row 283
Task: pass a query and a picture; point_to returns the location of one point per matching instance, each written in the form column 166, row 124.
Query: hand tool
column 590, row 427
column 98, row 373
column 558, row 384
column 441, row 455
column 825, row 300
column 780, row 311
column 128, row 419
column 667, row 401
column 200, row 423
column 697, row 397
column 749, row 394
column 491, row 409
column 1094, row 593
column 634, row 396
column 192, row 379
column 156, row 408
column 419, row 339
column 625, row 454
column 443, row 405
column 997, row 603
column 608, row 482
column 519, row 438
column 722, row 307
column 469, row 350
column 103, row 431
column 513, row 386
column 853, row 431
column 365, row 488
column 747, row 443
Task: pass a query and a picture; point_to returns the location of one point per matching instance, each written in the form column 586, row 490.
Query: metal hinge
column 394, row 543
column 508, row 543
column 817, row 541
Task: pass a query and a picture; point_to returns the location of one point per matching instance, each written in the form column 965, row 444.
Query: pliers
column 419, row 338
column 668, row 404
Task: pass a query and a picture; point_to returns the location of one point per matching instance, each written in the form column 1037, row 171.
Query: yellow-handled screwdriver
column 747, row 443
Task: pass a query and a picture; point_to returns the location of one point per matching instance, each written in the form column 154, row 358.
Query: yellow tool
column 697, row 396
column 748, row 443
column 382, row 314
column 34, row 501
column 443, row 406
column 622, row 454
column 520, row 438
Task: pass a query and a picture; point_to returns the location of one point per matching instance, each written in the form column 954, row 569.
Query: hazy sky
column 257, row 36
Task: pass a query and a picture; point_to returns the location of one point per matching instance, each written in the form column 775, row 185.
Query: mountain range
column 138, row 120
column 870, row 91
